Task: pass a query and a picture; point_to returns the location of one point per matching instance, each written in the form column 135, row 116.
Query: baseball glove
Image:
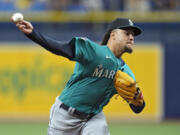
column 127, row 88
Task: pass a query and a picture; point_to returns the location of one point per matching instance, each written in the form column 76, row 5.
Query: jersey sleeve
column 85, row 49
column 54, row 46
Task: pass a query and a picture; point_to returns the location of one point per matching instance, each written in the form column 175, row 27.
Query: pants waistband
column 73, row 111
column 77, row 113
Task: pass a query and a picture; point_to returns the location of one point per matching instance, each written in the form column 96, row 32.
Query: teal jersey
column 91, row 85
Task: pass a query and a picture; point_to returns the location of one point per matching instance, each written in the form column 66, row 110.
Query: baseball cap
column 120, row 23
column 124, row 23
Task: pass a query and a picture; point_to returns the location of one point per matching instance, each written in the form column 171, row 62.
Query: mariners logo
column 83, row 38
column 130, row 22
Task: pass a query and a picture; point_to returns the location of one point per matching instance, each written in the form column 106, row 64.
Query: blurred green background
column 165, row 128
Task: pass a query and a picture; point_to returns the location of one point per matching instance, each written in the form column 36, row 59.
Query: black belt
column 79, row 114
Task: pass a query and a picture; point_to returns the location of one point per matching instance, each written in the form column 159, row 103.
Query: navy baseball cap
column 120, row 23
column 123, row 23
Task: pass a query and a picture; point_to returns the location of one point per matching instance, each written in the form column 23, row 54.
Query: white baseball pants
column 63, row 122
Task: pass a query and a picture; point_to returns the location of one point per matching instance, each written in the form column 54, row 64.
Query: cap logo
column 130, row 23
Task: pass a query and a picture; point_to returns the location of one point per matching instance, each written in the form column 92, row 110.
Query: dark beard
column 128, row 50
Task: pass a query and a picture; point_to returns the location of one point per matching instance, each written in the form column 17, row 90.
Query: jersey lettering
column 111, row 74
column 98, row 72
column 105, row 74
column 101, row 72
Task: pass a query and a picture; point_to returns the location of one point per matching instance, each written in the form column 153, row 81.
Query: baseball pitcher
column 99, row 74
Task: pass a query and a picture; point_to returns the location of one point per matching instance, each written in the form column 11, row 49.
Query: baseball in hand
column 17, row 17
